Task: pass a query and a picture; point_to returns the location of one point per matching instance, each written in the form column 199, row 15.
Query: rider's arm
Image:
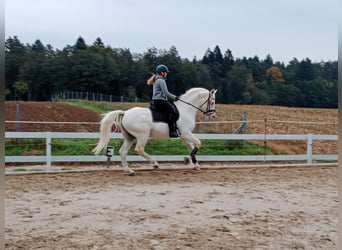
column 163, row 87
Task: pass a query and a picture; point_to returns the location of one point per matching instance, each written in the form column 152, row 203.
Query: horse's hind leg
column 140, row 149
column 126, row 146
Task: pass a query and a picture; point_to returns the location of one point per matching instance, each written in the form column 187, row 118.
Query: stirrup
column 174, row 134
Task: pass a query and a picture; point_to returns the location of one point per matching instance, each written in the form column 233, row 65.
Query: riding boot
column 173, row 131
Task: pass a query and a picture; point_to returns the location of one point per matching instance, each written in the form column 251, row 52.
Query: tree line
column 37, row 72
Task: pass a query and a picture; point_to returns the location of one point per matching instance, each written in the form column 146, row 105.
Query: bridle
column 208, row 111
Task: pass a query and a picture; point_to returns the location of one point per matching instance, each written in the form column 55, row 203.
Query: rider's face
column 164, row 74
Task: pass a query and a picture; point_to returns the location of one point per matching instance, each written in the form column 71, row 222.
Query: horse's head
column 210, row 110
column 201, row 99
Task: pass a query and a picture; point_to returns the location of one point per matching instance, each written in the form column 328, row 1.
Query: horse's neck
column 196, row 99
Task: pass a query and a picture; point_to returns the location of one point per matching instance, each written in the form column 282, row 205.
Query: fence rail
column 309, row 157
column 90, row 96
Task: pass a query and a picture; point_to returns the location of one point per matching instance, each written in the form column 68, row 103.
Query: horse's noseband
column 209, row 112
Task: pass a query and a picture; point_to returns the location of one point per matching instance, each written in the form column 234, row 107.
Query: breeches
column 168, row 108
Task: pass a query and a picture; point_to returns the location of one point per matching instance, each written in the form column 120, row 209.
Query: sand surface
column 228, row 208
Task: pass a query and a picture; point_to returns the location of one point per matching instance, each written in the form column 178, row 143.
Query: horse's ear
column 213, row 91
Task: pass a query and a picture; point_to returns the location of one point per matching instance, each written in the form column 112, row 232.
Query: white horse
column 136, row 125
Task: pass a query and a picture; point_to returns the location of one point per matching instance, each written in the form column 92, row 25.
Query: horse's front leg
column 193, row 144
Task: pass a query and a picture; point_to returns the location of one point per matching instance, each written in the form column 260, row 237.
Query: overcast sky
column 283, row 28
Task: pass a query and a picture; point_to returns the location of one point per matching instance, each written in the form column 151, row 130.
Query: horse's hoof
column 197, row 168
column 132, row 174
column 186, row 159
column 155, row 167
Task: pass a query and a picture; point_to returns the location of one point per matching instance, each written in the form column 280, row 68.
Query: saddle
column 160, row 116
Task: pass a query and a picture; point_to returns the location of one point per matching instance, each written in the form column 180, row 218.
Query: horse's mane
column 193, row 90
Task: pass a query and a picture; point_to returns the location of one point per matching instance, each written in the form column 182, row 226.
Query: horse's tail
column 109, row 119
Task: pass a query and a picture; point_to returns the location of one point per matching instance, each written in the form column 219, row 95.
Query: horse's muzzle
column 211, row 113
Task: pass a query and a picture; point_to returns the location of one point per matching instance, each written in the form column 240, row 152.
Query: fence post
column 48, row 151
column 244, row 126
column 17, row 118
column 309, row 149
column 204, row 127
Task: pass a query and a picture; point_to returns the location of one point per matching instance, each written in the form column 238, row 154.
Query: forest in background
column 37, row 72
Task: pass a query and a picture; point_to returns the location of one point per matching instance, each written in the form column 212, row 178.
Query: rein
column 208, row 111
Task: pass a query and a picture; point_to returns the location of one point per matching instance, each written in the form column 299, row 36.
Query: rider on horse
column 161, row 98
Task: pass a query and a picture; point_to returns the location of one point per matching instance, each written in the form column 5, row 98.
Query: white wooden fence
column 49, row 158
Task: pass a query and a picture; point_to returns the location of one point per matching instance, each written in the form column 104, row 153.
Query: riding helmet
column 162, row 68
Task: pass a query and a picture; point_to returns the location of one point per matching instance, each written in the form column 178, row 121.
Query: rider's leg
column 175, row 116
column 172, row 126
column 168, row 108
column 173, row 132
